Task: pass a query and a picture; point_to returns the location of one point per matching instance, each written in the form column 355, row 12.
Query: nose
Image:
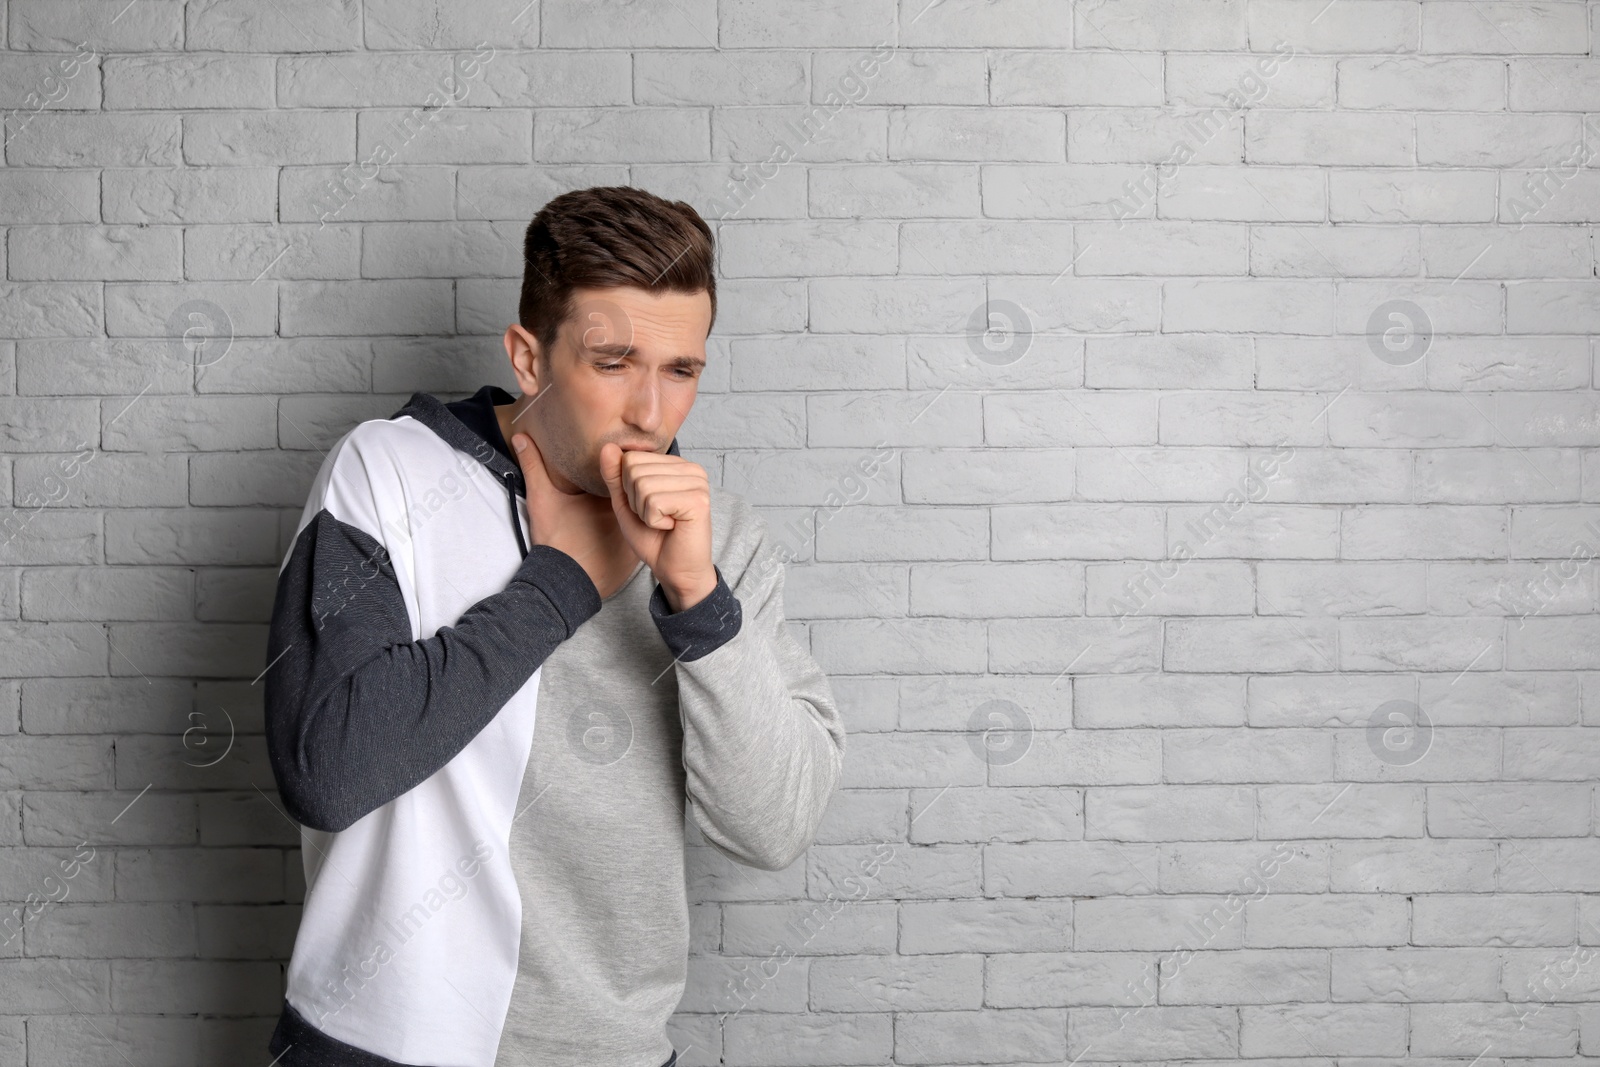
column 643, row 411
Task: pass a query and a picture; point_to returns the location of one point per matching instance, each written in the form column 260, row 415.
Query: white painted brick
column 1156, row 247
column 1237, row 645
column 975, row 815
column 440, row 24
column 1360, row 26
column 60, row 25
column 1552, row 84
column 1398, row 420
column 1331, row 920
column 1399, row 195
column 1320, row 137
column 808, row 133
column 1122, row 701
column 980, row 134
column 1484, row 476
column 810, row 24
column 932, row 76
column 446, row 135
column 896, row 190
column 1236, row 81
column 1341, row 1029
column 803, row 249
column 724, row 77
column 296, row 26
column 1028, row 23
column 1077, row 531
column 1241, row 418
column 1154, row 474
column 1342, row 589
column 1340, row 475
column 1156, row 1033
column 1506, row 699
column 1246, row 976
column 1256, row 305
column 1080, row 79
column 172, row 82
column 1501, row 919
column 900, row 983
column 1502, row 27
column 1065, row 191
column 1188, row 299
column 995, row 247
column 1333, row 251
column 1151, row 135
column 1159, row 813
column 1433, row 532
column 90, row 140
column 1422, row 84
column 265, row 138
column 1331, row 811
column 1477, row 140
column 189, row 195
column 1544, row 810
column 1160, row 25
column 1200, row 587
column 1047, row 979
column 1018, row 1034
column 1004, row 476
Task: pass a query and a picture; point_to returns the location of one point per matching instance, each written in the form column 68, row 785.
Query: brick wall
column 1182, row 415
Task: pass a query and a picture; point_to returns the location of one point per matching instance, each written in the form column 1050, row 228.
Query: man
column 489, row 734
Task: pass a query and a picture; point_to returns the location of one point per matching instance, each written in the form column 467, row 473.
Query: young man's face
column 625, row 367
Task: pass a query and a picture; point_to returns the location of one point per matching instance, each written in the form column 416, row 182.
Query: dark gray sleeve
column 702, row 629
column 357, row 713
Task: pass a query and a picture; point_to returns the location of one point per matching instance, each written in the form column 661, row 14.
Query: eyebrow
column 619, row 351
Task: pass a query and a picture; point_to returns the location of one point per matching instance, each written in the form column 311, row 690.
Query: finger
column 531, row 460
column 663, row 510
column 613, row 471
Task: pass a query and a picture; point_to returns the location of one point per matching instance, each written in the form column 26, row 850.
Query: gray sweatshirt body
column 748, row 734
column 641, row 718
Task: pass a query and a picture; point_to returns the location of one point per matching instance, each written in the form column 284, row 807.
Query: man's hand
column 663, row 507
column 579, row 524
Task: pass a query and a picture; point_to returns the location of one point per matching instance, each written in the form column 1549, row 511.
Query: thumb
column 611, row 470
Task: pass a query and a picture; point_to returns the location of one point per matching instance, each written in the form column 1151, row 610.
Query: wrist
column 682, row 596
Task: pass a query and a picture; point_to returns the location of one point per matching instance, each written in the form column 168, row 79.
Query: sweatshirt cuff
column 562, row 579
column 702, row 629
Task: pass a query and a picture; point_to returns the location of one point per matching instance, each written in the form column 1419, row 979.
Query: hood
column 470, row 426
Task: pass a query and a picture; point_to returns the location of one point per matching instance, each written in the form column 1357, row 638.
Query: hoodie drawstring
column 516, row 523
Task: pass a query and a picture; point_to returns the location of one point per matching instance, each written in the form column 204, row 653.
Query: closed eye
column 684, row 372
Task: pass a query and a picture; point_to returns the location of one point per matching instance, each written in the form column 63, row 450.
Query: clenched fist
column 662, row 505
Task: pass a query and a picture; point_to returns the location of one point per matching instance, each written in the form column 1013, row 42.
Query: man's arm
column 357, row 712
column 763, row 740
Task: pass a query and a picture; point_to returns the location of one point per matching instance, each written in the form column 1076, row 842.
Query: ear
column 523, row 349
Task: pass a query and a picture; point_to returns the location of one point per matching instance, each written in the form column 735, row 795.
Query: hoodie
column 493, row 766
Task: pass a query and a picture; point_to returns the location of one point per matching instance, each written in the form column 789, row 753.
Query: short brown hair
column 605, row 236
